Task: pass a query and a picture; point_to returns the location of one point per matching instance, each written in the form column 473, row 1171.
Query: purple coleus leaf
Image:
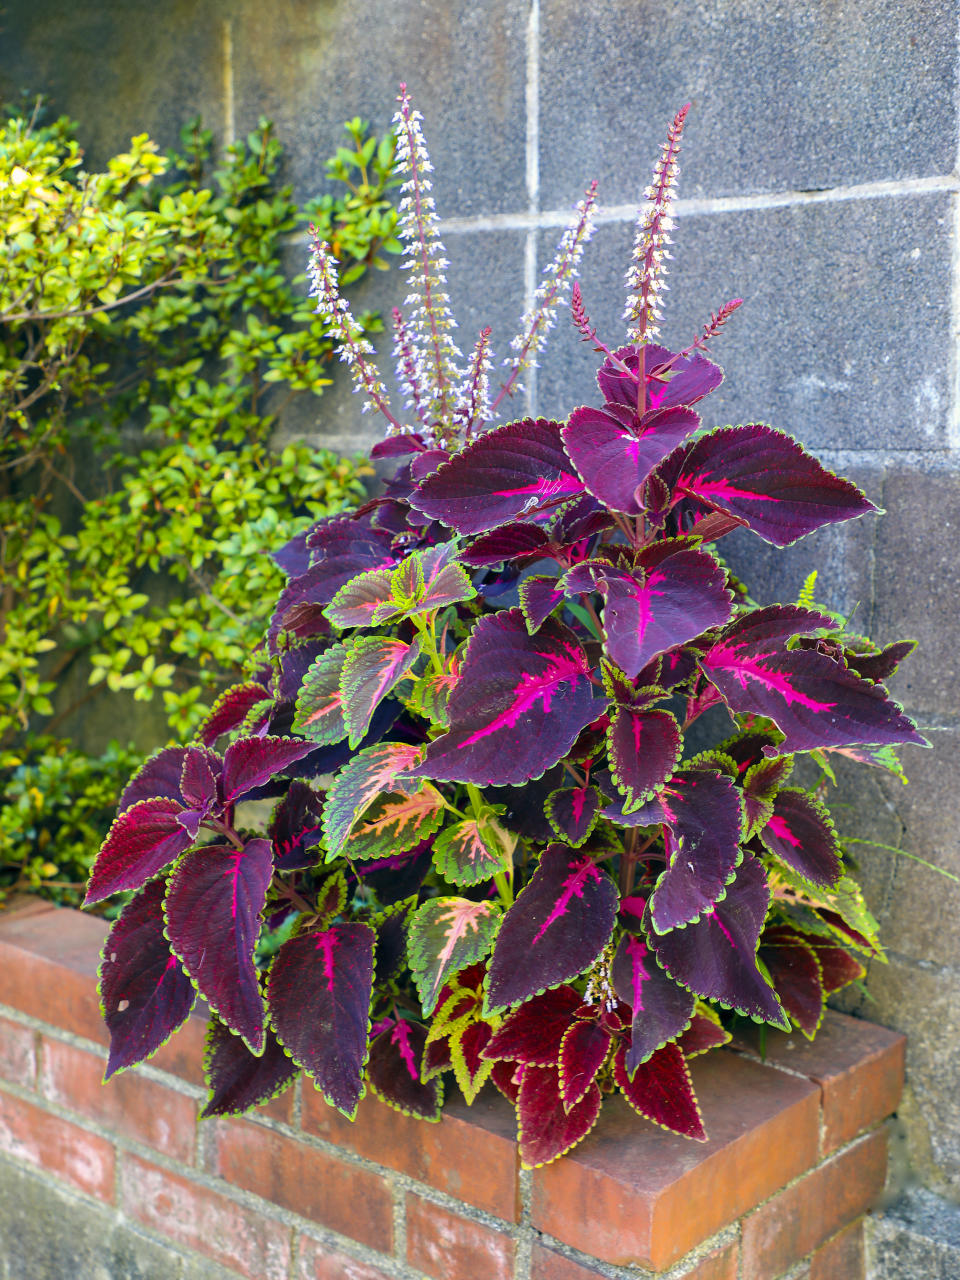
column 766, row 479
column 546, row 1129
column 665, row 601
column 717, row 957
column 661, row 1009
column 318, row 991
column 661, row 1090
column 669, row 378
column 761, row 781
column 230, row 710
column 374, row 666
column 249, row 762
column 795, row 972
column 539, row 596
column 573, row 813
column 515, row 470
column 811, row 698
column 371, row 772
column 510, row 542
column 615, row 452
column 144, row 993
column 395, row 1071
column 212, row 909
column 643, row 748
column 446, row 935
column 557, row 927
column 518, row 706
column 157, row 778
column 800, row 833
column 198, row 786
column 236, row 1078
column 319, row 715
column 142, row 841
column 295, row 827
column 879, row 666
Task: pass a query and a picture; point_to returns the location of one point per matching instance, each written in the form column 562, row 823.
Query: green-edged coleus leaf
column 144, row 993
column 841, row 909
column 539, row 596
column 518, row 707
column 142, row 841
column 370, row 773
column 717, row 957
column 546, row 1129
column 236, row 1078
column 533, row 1032
column 661, row 1090
column 800, row 833
column 373, row 666
column 661, row 1009
column 559, row 924
column 319, row 715
column 795, row 972
column 704, row 1033
column 365, row 601
column 447, row 934
column 760, row 785
column 395, row 823
column 249, row 762
column 643, row 749
column 471, row 1070
column 573, row 813
column 212, row 910
column 431, row 579
column 472, row 851
column 318, row 991
column 395, row 1071
column 230, row 711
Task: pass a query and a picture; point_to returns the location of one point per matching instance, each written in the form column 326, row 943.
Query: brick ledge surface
column 796, row 1155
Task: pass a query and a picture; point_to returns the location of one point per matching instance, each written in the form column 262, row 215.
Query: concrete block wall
column 820, row 182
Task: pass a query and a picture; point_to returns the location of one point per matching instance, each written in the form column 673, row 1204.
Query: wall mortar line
column 532, row 167
column 229, row 108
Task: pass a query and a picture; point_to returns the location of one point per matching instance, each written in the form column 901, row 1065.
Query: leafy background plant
column 523, row 870
column 150, row 337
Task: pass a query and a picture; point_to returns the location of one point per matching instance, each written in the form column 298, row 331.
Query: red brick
column 857, row 1065
column 319, row 1262
column 201, row 1219
column 49, row 962
column 448, row 1247
column 24, row 904
column 471, row 1154
column 17, row 1053
column 182, row 1055
column 720, row 1264
column 288, row 1172
column 841, row 1258
column 547, row 1264
column 633, row 1193
column 128, row 1104
column 37, row 1137
column 800, row 1219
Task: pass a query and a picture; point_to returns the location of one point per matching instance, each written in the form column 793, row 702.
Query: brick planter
column 797, row 1154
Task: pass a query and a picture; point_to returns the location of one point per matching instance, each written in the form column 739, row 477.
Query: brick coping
column 630, row 1195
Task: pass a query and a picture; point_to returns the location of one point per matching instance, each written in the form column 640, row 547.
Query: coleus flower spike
column 494, row 854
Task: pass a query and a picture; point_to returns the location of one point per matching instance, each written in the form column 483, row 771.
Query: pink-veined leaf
column 447, row 934
column 796, row 974
column 236, row 1079
column 661, row 1010
column 395, row 1071
column 583, row 1051
column 514, row 470
column 800, row 833
column 561, row 921
column 669, row 378
column 370, row 773
column 440, row 580
column 761, row 782
column 546, row 1130
column 319, row 714
column 318, row 992
column 518, row 707
column 374, row 666
column 533, row 1032
column 395, row 823
column 472, row 851
column 295, row 827
column 144, row 993
column 248, row 762
column 230, row 710
column 643, row 748
column 212, row 909
column 573, row 813
column 661, row 1090
column 364, row 601
column 717, row 957
column 142, row 841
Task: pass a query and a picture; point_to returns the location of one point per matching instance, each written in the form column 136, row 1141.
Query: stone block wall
column 820, row 183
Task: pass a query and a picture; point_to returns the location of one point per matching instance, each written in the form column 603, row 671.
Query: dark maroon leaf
column 801, row 834
column 391, row 945
column 615, row 457
column 295, row 827
column 880, row 666
column 198, row 783
column 546, row 1130
column 583, row 1051
column 437, row 1059
column 513, row 470
column 144, row 993
column 532, row 1033
column 766, row 478
column 238, row 1080
column 318, row 992
column 661, row 1091
column 394, row 1072
column 538, row 596
column 249, row 762
column 230, row 710
column 669, row 379
column 393, row 879
column 511, row 542
column 702, row 1035
column 158, row 777
column 212, row 908
column 142, row 841
column 398, row 446
column 470, row 1068
column 795, row 972
column 838, row 967
column 573, row 813
column 502, row 1076
column 661, row 1009
column 557, row 927
column 651, row 610
column 716, row 957
column 518, row 707
column 643, row 748
column 762, row 630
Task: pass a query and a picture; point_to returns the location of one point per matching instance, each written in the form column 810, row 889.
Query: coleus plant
column 494, row 853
